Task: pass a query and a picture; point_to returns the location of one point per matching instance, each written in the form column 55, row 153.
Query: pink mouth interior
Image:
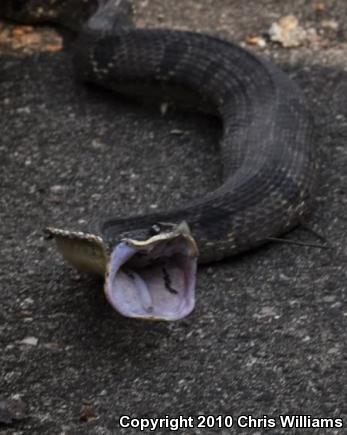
column 153, row 282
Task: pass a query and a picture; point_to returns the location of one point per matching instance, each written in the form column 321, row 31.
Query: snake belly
column 268, row 151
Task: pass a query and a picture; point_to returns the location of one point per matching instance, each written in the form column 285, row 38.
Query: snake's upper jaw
column 154, row 278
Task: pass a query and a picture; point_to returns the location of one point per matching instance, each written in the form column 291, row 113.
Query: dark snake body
column 268, row 146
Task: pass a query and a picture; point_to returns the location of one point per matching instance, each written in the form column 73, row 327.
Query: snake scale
column 267, row 149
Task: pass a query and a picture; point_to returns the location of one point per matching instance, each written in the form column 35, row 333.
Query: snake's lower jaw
column 153, row 279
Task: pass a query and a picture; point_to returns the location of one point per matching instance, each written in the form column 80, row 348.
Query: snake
column 268, row 150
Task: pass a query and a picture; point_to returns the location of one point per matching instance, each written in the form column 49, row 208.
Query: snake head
column 148, row 277
column 154, row 278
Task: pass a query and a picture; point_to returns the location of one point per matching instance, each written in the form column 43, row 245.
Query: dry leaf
column 88, row 413
column 256, row 40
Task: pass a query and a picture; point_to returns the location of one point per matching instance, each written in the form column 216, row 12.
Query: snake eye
column 155, row 229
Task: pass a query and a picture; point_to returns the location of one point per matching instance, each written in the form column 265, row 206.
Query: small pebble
column 330, row 24
column 58, row 189
column 176, row 131
column 30, row 341
column 164, row 108
column 97, row 144
column 329, row 298
column 25, row 110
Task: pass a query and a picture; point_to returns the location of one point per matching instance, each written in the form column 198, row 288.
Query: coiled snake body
column 267, row 150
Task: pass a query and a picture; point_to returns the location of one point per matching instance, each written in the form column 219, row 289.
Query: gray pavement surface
column 268, row 335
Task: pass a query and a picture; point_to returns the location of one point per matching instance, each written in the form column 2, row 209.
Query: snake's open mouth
column 153, row 279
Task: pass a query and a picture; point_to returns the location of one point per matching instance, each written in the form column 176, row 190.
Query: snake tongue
column 153, row 279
